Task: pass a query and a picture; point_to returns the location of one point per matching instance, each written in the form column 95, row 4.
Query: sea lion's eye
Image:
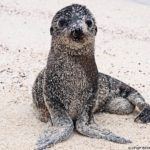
column 89, row 22
column 62, row 22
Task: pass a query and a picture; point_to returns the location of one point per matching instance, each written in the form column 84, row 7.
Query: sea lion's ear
column 51, row 30
column 95, row 30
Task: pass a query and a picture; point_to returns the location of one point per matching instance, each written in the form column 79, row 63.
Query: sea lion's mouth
column 78, row 39
column 77, row 35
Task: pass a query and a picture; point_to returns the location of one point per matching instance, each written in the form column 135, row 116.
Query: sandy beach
column 122, row 51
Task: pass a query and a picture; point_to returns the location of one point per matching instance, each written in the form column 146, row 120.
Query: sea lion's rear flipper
column 144, row 116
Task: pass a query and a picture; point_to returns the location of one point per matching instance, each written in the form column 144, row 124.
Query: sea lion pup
column 69, row 89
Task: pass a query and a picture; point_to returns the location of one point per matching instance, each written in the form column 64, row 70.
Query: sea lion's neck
column 83, row 56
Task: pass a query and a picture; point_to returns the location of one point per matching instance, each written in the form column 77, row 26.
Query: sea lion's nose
column 77, row 33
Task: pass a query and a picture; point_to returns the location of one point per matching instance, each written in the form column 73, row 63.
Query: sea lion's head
column 74, row 27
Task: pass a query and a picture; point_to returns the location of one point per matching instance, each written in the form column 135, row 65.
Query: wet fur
column 69, row 90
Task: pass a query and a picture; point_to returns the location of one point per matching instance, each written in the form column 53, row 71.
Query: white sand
column 122, row 50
